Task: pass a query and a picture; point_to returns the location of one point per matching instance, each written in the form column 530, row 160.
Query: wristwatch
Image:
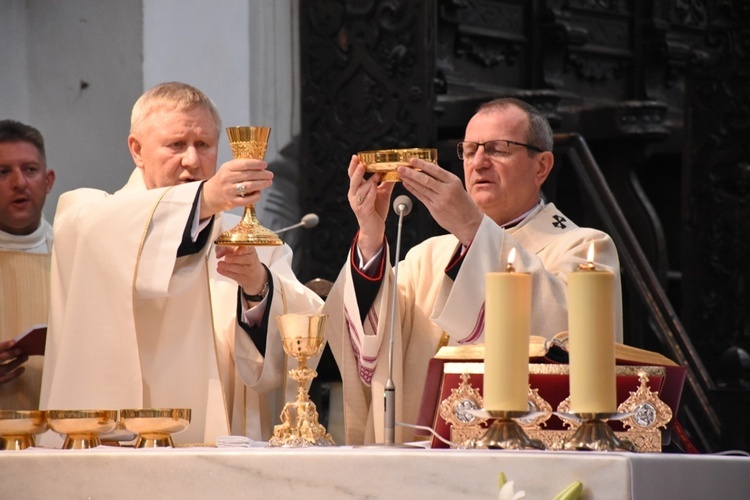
column 259, row 297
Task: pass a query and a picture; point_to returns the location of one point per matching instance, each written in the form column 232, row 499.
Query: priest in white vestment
column 146, row 312
column 25, row 246
column 440, row 291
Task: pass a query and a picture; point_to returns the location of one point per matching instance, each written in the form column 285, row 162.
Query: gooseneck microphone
column 402, row 205
column 308, row 221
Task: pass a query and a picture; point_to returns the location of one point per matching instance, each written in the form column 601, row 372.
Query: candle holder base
column 595, row 435
column 505, row 434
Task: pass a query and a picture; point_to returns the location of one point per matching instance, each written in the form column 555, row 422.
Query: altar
column 372, row 473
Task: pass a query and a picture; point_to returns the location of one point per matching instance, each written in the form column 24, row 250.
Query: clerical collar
column 520, row 219
column 36, row 242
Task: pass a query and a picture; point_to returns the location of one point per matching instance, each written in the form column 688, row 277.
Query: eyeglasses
column 494, row 149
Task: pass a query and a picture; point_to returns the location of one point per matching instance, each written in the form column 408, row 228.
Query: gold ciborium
column 386, row 161
column 18, row 428
column 248, row 142
column 82, row 428
column 155, row 426
column 302, row 336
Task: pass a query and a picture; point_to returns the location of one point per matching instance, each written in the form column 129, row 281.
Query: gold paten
column 386, row 161
column 155, row 426
column 302, row 336
column 18, row 428
column 82, row 428
column 249, row 142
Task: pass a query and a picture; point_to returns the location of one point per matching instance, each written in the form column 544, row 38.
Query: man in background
column 25, row 246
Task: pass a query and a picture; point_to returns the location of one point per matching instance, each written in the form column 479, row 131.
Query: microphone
column 402, row 205
column 308, row 221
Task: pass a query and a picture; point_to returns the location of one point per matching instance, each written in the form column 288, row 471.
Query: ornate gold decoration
column 302, row 337
column 249, row 142
column 649, row 412
column 642, row 428
column 453, row 409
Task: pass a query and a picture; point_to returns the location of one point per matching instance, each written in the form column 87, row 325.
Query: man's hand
column 369, row 199
column 242, row 264
column 444, row 196
column 237, row 183
column 10, row 361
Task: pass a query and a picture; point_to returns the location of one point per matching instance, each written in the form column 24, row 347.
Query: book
column 543, row 350
column 32, row 341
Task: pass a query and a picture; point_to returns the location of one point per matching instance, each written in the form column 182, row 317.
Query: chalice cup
column 248, row 142
column 302, row 336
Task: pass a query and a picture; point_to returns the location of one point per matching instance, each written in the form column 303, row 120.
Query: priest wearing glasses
column 507, row 155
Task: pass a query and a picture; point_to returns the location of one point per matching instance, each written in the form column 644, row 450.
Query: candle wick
column 589, row 266
column 509, row 268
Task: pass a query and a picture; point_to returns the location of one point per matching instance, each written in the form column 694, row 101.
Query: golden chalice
column 248, row 142
column 18, row 428
column 82, row 428
column 155, row 426
column 386, row 161
column 302, row 336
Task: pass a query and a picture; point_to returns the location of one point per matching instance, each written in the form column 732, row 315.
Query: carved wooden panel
column 367, row 73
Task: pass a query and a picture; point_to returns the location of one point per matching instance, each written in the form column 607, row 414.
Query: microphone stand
column 390, row 387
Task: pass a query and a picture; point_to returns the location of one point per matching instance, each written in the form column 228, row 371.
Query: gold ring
column 241, row 189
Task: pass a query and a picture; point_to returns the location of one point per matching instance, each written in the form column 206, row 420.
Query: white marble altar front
column 364, row 473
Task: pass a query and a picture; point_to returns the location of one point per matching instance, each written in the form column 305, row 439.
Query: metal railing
column 668, row 328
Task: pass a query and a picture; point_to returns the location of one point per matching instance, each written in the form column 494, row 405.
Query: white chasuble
column 432, row 307
column 133, row 326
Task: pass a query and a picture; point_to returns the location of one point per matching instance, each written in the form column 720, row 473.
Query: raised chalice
column 155, row 426
column 18, row 428
column 302, row 336
column 248, row 142
column 386, row 161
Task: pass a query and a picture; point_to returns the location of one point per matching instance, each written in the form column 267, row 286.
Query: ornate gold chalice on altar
column 248, row 142
column 18, row 428
column 82, row 428
column 302, row 336
column 386, row 161
column 155, row 426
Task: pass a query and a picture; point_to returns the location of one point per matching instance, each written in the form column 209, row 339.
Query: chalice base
column 505, row 434
column 16, row 442
column 595, row 435
column 300, row 427
column 81, row 442
column 249, row 232
column 154, row 441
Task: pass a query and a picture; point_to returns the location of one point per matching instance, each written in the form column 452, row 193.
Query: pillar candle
column 591, row 339
column 507, row 325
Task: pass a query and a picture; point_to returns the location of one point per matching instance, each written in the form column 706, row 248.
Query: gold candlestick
column 302, row 336
column 504, row 433
column 595, row 435
column 249, row 142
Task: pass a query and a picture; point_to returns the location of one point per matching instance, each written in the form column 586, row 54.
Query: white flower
column 507, row 493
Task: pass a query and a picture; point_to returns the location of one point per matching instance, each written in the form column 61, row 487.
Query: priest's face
column 175, row 146
column 25, row 183
column 503, row 179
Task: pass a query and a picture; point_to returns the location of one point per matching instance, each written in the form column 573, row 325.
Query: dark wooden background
column 658, row 89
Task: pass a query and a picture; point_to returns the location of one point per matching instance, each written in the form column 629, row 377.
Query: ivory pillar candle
column 507, row 325
column 591, row 339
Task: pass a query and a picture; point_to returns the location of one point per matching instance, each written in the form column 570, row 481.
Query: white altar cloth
column 362, row 473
